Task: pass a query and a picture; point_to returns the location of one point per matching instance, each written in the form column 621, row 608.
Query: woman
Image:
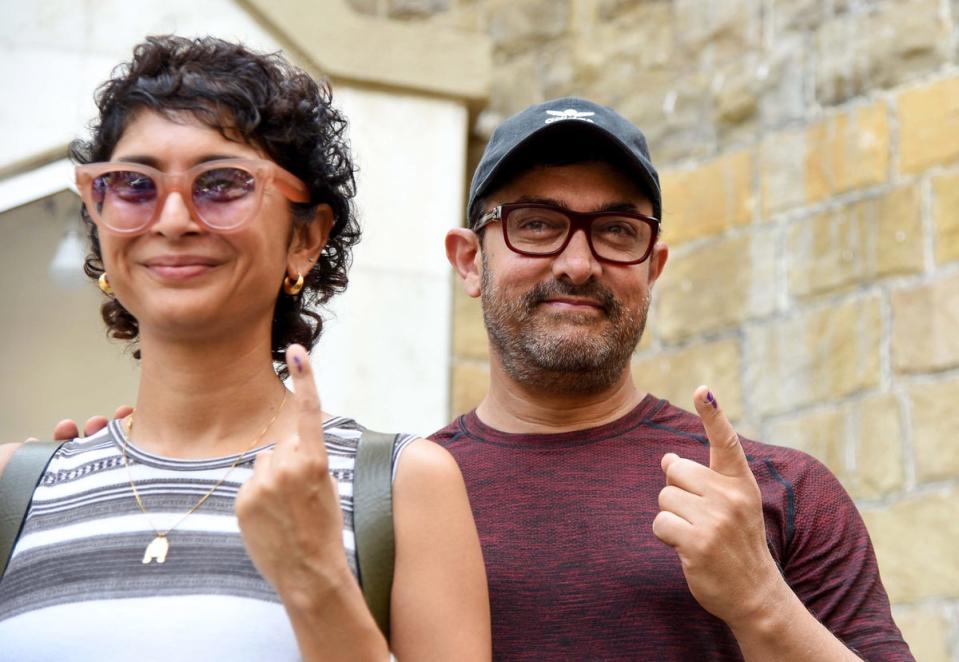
column 217, row 191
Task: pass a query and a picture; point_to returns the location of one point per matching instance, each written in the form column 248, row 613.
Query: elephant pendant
column 157, row 549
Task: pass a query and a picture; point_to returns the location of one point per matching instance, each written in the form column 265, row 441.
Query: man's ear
column 657, row 261
column 308, row 241
column 464, row 253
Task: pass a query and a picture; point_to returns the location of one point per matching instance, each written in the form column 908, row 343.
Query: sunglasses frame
column 265, row 173
column 577, row 221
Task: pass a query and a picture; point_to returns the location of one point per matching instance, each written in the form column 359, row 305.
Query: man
column 612, row 526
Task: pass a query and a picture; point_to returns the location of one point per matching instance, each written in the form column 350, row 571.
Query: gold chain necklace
column 159, row 547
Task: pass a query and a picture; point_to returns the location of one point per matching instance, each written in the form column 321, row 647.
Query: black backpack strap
column 373, row 522
column 17, row 483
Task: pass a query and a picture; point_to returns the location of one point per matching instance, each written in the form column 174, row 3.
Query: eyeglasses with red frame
column 544, row 230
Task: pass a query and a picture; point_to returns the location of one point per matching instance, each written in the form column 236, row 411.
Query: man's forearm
column 786, row 632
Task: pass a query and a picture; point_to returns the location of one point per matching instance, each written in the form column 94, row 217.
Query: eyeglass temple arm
column 494, row 214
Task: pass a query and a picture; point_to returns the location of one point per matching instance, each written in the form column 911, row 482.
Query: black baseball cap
column 555, row 123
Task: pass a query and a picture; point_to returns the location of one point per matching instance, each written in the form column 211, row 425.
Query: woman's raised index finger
column 307, row 398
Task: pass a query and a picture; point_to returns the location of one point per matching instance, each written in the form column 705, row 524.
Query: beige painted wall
column 55, row 359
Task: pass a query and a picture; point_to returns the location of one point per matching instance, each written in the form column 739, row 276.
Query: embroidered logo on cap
column 568, row 114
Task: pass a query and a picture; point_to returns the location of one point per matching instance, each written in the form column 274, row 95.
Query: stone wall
column 809, row 152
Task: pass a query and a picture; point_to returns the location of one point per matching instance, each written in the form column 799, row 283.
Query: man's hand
column 68, row 429
column 712, row 516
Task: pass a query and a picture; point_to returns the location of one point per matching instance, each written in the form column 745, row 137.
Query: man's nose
column 577, row 262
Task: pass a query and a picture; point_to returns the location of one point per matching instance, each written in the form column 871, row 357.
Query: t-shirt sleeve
column 831, row 565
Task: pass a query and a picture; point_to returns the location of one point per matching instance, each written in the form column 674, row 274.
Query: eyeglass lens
column 222, row 197
column 539, row 231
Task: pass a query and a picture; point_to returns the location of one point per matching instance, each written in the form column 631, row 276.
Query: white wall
column 384, row 358
column 386, row 354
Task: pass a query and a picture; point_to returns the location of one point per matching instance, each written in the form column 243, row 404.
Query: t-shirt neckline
column 471, row 426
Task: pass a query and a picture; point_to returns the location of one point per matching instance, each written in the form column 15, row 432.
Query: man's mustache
column 551, row 289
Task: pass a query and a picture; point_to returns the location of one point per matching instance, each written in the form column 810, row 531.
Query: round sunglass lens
column 223, row 196
column 124, row 198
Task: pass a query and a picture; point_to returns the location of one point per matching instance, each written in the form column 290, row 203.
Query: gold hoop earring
column 292, row 288
column 104, row 284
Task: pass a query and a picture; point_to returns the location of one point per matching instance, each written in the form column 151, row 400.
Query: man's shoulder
column 449, row 432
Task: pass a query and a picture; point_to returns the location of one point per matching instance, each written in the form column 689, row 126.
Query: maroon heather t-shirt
column 574, row 570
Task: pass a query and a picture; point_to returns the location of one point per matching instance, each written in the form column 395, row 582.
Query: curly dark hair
column 266, row 102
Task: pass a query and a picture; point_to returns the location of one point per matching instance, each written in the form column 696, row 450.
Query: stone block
column 558, row 73
column 928, row 119
column 792, row 15
column 417, row 9
column 470, row 381
column 628, row 35
column 903, row 39
column 717, row 31
column 857, row 51
column 717, row 285
column 846, row 152
column 368, row 7
column 926, row 629
column 673, row 108
column 705, row 200
column 782, row 172
column 520, row 26
column 819, row 355
column 879, row 447
column 737, row 89
column 821, row 433
column 925, row 319
column 858, row 243
column 469, row 332
column 784, row 73
column 466, row 16
column 945, row 192
column 836, row 75
column 916, row 541
column 516, row 85
column 935, row 420
column 675, row 374
column 610, row 10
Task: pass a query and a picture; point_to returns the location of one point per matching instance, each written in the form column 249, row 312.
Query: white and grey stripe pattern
column 81, row 550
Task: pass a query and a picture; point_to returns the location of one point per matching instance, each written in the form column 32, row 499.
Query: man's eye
column 619, row 229
column 536, row 225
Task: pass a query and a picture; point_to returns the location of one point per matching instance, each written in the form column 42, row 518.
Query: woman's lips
column 180, row 267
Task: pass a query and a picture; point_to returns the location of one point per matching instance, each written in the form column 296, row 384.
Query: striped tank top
column 76, row 587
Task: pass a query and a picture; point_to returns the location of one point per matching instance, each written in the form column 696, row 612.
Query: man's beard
column 535, row 353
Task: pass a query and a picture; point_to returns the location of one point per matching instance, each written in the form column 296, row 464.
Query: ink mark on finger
column 711, row 400
column 298, row 363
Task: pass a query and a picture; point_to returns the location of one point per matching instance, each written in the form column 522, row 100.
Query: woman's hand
column 289, row 515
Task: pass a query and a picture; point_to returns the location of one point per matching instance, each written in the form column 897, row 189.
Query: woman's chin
column 189, row 319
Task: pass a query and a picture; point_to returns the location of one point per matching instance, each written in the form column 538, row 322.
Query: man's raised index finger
column 726, row 454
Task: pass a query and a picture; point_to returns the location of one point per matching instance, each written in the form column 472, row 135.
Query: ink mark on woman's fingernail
column 298, row 363
column 711, row 400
